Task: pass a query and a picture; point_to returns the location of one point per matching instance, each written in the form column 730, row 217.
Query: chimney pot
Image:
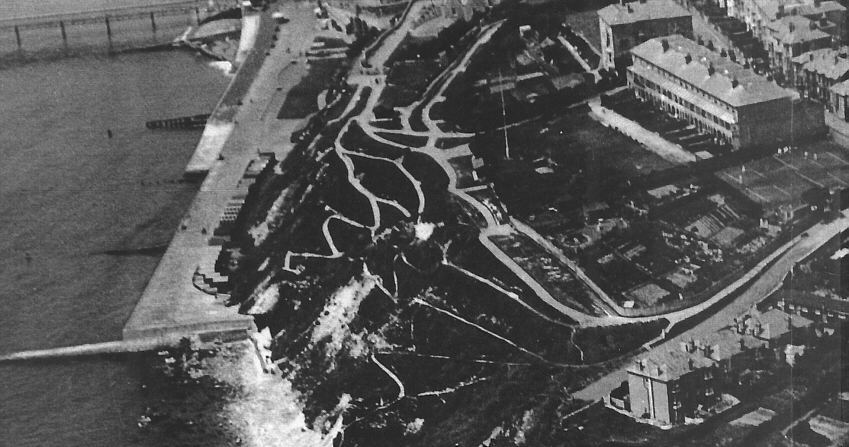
column 711, row 70
column 734, row 84
column 813, row 24
column 665, row 45
column 688, row 58
column 791, row 27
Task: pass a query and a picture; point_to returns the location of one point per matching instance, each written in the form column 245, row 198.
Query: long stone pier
column 96, row 24
column 105, row 15
column 105, row 348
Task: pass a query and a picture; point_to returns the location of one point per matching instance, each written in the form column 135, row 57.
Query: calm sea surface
column 83, row 221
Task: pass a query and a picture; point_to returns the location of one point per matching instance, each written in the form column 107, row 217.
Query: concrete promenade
column 171, row 304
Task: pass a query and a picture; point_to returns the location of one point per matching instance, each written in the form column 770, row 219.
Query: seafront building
column 720, row 97
column 666, row 387
column 624, row 25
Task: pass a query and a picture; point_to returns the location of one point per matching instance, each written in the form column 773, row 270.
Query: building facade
column 818, row 308
column 789, row 37
column 625, row 25
column 815, row 72
column 667, row 386
column 717, row 95
column 758, row 14
column 839, row 99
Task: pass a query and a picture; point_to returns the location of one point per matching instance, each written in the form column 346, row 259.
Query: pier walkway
column 104, row 348
column 82, row 12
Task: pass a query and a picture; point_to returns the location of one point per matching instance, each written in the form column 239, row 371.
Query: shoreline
column 244, row 124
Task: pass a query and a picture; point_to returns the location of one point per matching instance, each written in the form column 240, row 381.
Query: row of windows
column 695, row 110
column 682, row 83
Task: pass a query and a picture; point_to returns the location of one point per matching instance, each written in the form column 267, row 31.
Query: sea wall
column 107, row 30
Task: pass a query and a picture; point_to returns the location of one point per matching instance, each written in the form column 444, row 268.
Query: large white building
column 717, row 95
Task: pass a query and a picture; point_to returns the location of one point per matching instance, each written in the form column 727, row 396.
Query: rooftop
column 708, row 71
column 841, row 88
column 640, row 11
column 801, row 7
column 796, row 29
column 808, row 299
column 831, row 63
column 750, row 332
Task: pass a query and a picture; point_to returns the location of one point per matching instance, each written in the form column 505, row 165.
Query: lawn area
column 407, row 80
column 563, row 137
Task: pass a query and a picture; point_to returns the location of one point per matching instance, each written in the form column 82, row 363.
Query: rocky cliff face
column 362, row 254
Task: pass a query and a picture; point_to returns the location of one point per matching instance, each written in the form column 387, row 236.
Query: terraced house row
column 718, row 95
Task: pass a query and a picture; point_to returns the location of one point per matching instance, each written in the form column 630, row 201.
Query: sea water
column 84, row 219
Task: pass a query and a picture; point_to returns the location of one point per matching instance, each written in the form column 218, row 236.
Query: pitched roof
column 693, row 63
column 809, row 299
column 803, row 7
column 833, row 64
column 617, row 14
column 671, row 364
column 796, row 29
column 810, row 9
column 841, row 88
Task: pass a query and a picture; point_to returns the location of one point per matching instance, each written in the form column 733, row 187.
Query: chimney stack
column 665, row 45
column 791, row 27
column 813, row 24
column 688, row 58
column 711, row 69
column 780, row 12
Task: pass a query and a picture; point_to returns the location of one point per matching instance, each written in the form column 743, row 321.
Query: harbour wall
column 107, row 29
